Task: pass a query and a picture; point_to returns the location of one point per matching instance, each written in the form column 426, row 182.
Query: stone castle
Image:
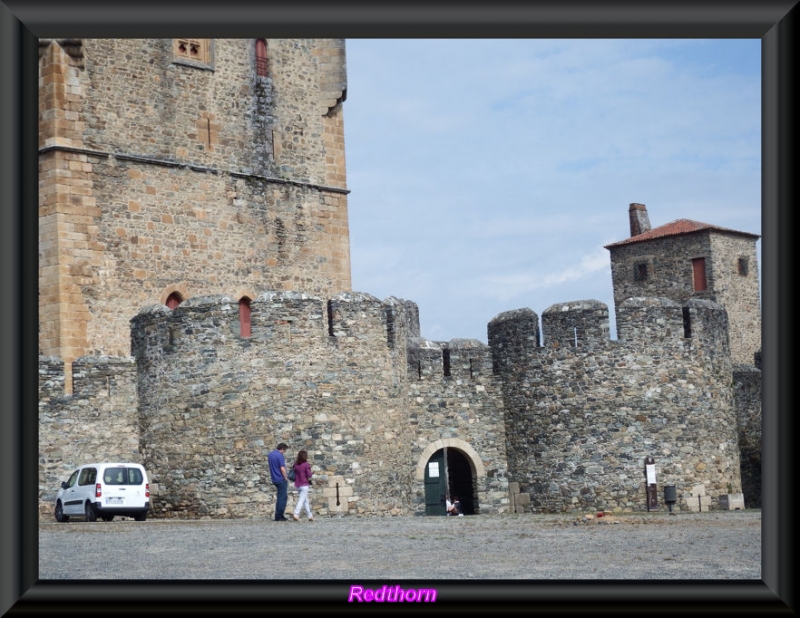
column 195, row 309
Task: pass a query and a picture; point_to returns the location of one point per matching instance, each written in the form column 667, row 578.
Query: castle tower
column 583, row 414
column 175, row 168
column 685, row 260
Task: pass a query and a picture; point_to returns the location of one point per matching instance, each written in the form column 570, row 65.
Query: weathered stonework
column 542, row 428
column 581, row 420
column 747, row 400
column 204, row 183
column 98, row 420
column 155, row 172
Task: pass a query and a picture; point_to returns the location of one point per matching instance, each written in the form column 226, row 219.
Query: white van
column 104, row 490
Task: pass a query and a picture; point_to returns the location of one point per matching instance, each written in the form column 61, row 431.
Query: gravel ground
column 646, row 546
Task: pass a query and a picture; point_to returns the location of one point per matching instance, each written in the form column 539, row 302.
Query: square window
column 196, row 50
column 743, row 266
column 640, row 271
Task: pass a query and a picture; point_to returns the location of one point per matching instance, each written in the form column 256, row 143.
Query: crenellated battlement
column 459, row 359
column 651, row 320
column 309, row 367
column 273, row 319
column 359, row 315
column 582, row 408
column 585, row 323
column 92, row 377
column 308, row 371
column 575, row 324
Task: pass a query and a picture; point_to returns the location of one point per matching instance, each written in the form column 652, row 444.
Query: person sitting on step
column 454, row 506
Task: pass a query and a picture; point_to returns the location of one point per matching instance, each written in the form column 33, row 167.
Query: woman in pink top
column 302, row 476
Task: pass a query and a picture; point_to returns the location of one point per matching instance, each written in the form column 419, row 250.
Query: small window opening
column 262, row 66
column 687, row 323
column 640, row 271
column 699, row 274
column 743, row 266
column 446, row 362
column 471, row 374
column 330, row 319
column 284, row 324
column 244, row 317
column 419, row 369
column 173, row 300
column 193, row 49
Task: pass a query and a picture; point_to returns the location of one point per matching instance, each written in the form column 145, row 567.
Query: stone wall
column 738, row 291
column 580, row 421
column 97, row 422
column 339, row 378
column 747, row 397
column 162, row 175
column 320, row 376
column 544, row 428
column 455, row 400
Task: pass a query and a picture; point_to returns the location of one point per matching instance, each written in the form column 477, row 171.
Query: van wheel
column 60, row 512
column 108, row 518
column 140, row 516
column 89, row 511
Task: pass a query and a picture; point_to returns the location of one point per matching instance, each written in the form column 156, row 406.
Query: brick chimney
column 640, row 222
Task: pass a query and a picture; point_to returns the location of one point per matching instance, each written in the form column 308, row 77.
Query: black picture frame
column 23, row 22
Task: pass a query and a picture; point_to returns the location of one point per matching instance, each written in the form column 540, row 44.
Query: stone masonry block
column 731, row 502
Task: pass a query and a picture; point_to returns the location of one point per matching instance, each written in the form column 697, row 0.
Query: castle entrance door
column 448, row 472
column 435, row 484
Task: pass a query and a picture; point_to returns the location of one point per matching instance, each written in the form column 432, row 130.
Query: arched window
column 261, row 58
column 244, row 316
column 173, row 300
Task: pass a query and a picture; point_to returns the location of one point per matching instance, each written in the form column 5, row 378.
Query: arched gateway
column 450, row 467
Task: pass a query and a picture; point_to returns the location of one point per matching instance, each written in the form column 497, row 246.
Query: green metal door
column 435, row 485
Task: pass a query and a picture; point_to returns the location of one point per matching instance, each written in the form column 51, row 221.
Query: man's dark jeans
column 283, row 497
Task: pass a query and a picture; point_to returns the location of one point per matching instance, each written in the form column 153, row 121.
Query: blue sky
column 487, row 174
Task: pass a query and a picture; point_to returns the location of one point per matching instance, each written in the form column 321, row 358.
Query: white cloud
column 511, row 285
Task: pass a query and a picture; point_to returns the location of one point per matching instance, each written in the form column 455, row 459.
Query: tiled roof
column 676, row 228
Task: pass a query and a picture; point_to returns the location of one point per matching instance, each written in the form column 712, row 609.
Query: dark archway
column 448, row 471
column 461, row 481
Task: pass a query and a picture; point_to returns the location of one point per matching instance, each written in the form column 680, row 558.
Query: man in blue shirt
column 277, row 470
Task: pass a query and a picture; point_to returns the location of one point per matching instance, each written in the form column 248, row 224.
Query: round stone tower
column 581, row 420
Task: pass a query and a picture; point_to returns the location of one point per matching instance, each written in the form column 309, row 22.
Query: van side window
column 73, row 478
column 87, row 477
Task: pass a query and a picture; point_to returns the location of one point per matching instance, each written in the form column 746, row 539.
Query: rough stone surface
column 196, row 179
column 159, row 175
